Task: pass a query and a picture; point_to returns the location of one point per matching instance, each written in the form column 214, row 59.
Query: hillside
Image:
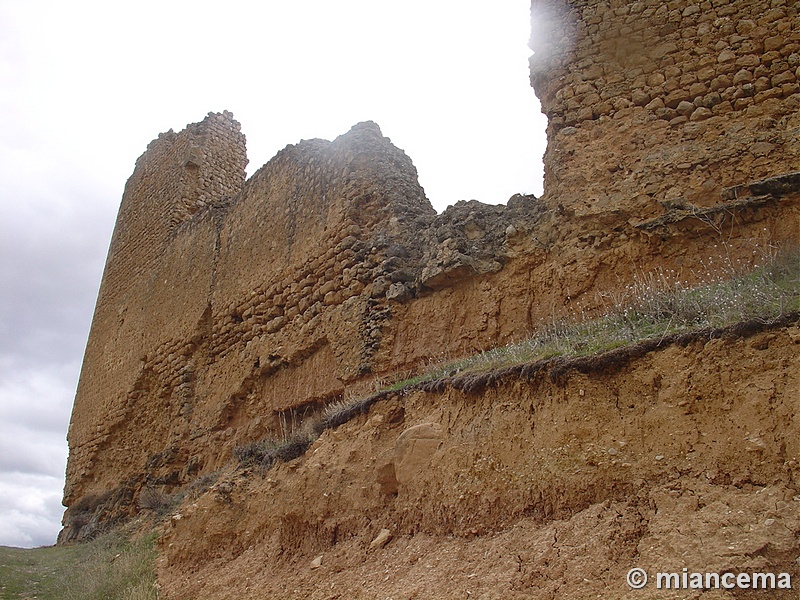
column 542, row 483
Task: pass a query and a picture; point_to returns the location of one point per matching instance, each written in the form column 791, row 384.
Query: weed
column 294, row 441
column 157, row 500
column 199, row 486
column 266, row 452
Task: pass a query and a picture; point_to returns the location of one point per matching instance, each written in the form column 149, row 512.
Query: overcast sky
column 85, row 85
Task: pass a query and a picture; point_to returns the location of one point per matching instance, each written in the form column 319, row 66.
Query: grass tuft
column 266, row 452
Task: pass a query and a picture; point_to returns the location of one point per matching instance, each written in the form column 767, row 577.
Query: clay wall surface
column 155, row 283
column 651, row 102
column 230, row 309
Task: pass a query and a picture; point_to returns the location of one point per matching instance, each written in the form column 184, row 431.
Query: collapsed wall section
column 651, row 102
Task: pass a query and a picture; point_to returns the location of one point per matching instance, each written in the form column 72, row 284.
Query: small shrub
column 157, row 500
column 266, row 452
column 199, row 486
column 339, row 413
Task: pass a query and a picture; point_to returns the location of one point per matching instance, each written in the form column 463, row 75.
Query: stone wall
column 651, row 101
column 229, row 309
column 156, row 281
column 221, row 317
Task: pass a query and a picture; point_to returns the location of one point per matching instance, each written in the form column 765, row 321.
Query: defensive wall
column 229, row 308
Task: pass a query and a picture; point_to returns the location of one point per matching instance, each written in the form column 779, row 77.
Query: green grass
column 111, row 567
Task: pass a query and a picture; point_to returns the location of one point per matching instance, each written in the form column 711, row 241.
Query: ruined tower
column 652, row 102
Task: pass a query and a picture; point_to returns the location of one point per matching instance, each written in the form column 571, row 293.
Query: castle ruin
column 229, row 305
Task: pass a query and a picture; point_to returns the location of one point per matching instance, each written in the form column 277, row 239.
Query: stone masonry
column 651, row 101
column 230, row 308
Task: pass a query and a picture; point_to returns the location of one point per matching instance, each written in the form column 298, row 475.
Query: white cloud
column 30, row 509
column 34, row 411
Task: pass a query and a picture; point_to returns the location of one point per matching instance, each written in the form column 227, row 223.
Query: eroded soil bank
column 531, row 487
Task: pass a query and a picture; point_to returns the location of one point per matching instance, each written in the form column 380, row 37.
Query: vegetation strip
column 659, row 314
column 110, row 567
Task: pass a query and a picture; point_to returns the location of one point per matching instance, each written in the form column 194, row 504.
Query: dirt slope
column 536, row 486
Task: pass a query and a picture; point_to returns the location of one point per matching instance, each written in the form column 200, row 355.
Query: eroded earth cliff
column 230, row 308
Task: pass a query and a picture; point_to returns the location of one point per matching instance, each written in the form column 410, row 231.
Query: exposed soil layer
column 532, row 486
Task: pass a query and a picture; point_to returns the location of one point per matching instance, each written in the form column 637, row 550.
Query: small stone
column 317, row 562
column 748, row 61
column 743, row 76
column 675, row 97
column 701, row 114
column 720, row 83
column 640, row 97
column 706, row 74
column 745, row 26
column 685, row 108
column 659, row 457
column 584, row 114
column 774, row 43
column 697, row 89
column 711, row 100
column 380, row 540
column 781, row 78
column 398, row 292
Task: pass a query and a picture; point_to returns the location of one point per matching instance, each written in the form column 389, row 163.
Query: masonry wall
column 229, row 309
column 156, row 279
column 651, row 102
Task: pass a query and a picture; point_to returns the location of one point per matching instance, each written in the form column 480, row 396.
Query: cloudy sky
column 85, row 85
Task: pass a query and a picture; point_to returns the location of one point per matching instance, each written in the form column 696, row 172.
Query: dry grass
column 110, row 567
column 655, row 310
column 655, row 306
